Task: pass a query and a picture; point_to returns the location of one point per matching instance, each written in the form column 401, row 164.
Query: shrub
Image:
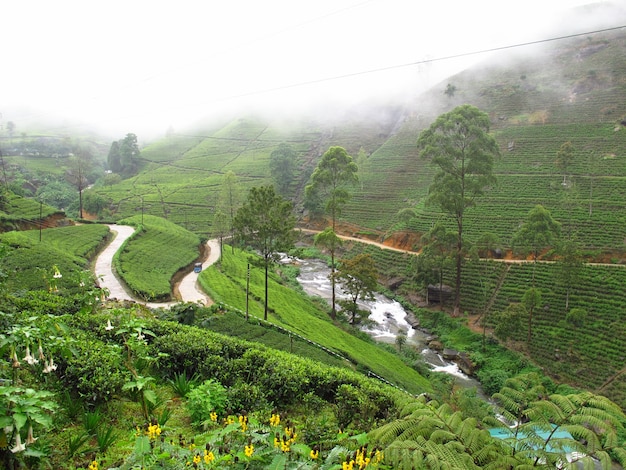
column 182, row 384
column 353, row 404
column 246, row 396
column 576, row 316
column 205, row 399
column 95, row 371
column 492, row 380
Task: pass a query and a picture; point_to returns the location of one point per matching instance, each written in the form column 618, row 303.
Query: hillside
column 538, row 98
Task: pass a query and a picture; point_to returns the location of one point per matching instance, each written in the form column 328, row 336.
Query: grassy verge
column 297, row 313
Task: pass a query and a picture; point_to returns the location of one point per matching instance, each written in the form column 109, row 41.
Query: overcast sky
column 141, row 66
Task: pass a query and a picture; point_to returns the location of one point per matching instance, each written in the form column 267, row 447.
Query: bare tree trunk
column 266, row 278
column 333, row 309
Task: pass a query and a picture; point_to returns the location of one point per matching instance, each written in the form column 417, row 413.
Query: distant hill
column 538, row 97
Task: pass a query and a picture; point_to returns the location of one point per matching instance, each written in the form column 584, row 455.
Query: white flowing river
column 388, row 317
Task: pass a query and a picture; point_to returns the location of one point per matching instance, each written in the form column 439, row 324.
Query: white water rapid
column 387, row 317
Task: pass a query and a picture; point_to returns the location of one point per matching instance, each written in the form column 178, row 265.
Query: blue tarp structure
column 509, row 433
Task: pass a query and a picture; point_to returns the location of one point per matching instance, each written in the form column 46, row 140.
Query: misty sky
column 141, row 66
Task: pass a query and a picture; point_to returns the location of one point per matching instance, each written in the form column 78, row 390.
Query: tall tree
column 458, row 143
column 282, row 166
column 334, row 175
column 329, row 184
column 266, row 223
column 509, row 321
column 10, row 130
column 129, row 154
column 76, row 175
column 361, row 158
column 570, row 264
column 114, row 158
column 537, row 232
column 221, row 227
column 229, row 201
column 358, row 276
column 564, row 159
column 531, row 301
column 329, row 240
column 438, row 245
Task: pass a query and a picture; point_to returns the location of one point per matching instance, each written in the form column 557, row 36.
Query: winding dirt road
column 188, row 288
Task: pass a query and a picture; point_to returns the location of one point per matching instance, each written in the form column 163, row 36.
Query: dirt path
column 188, row 288
column 364, row 240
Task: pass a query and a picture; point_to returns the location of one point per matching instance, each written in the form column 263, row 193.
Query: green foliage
column 539, row 231
column 430, row 435
column 282, row 166
column 124, row 155
column 576, row 317
column 547, row 427
column 96, row 371
column 182, row 384
column 359, row 279
column 208, row 397
column 266, row 222
column 334, row 175
column 354, row 408
column 459, row 145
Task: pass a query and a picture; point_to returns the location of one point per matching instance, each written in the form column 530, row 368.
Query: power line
column 421, row 62
column 396, row 66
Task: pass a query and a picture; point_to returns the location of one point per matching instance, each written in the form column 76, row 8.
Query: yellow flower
column 314, row 454
column 243, row 420
column 154, row 431
column 249, row 450
column 347, row 465
column 93, row 465
column 208, row 457
column 213, row 416
column 275, row 420
column 197, row 459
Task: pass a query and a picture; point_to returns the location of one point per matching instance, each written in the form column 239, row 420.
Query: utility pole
column 247, row 290
column 4, row 171
column 40, row 218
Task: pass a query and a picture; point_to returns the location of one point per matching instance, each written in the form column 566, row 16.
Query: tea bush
column 95, row 371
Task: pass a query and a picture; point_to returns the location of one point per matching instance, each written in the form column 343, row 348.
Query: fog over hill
column 173, row 67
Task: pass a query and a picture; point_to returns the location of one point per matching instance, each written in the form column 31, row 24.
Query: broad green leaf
column 142, row 445
column 20, row 420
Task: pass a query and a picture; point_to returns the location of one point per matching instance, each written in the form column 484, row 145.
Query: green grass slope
column 181, row 175
column 226, row 283
column 29, row 262
column 20, row 212
column 537, row 98
column 589, row 355
column 568, row 91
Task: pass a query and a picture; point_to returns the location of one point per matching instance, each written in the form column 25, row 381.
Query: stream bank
column 388, row 318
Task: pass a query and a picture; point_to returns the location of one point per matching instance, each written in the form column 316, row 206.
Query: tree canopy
column 358, row 276
column 124, row 155
column 265, row 222
column 282, row 166
column 331, row 180
column 458, row 143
